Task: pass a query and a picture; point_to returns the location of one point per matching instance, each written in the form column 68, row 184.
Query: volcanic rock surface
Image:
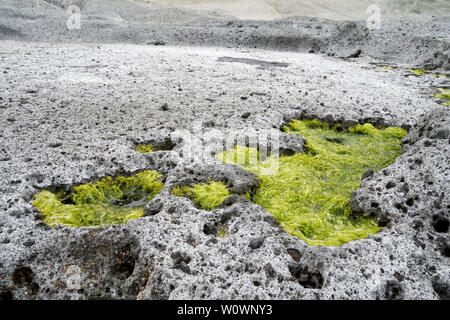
column 74, row 106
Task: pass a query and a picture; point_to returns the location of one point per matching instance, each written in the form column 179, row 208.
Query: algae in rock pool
column 207, row 196
column 310, row 193
column 144, row 148
column 444, row 94
column 105, row 202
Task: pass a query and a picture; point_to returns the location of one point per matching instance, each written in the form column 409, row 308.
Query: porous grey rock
column 256, row 243
column 87, row 113
column 237, row 179
column 291, row 144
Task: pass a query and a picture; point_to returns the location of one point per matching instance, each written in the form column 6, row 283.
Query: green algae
column 419, row 72
column 207, row 195
column 222, row 231
column 310, row 192
column 105, row 202
column 444, row 94
column 144, row 148
column 422, row 72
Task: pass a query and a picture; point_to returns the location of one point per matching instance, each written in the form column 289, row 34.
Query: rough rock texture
column 81, row 116
column 411, row 197
column 414, row 41
column 72, row 113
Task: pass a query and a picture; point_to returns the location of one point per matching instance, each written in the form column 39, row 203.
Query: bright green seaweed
column 207, row 196
column 423, row 72
column 144, row 148
column 444, row 94
column 309, row 194
column 105, row 202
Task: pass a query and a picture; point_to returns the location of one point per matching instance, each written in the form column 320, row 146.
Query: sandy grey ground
column 417, row 41
column 73, row 112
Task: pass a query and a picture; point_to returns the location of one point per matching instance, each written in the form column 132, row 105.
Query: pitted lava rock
column 73, row 109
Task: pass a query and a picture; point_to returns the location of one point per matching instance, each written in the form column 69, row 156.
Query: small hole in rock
column 440, row 224
column 22, row 276
column 295, row 254
column 410, row 202
column 6, row 295
column 393, row 291
column 390, row 185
